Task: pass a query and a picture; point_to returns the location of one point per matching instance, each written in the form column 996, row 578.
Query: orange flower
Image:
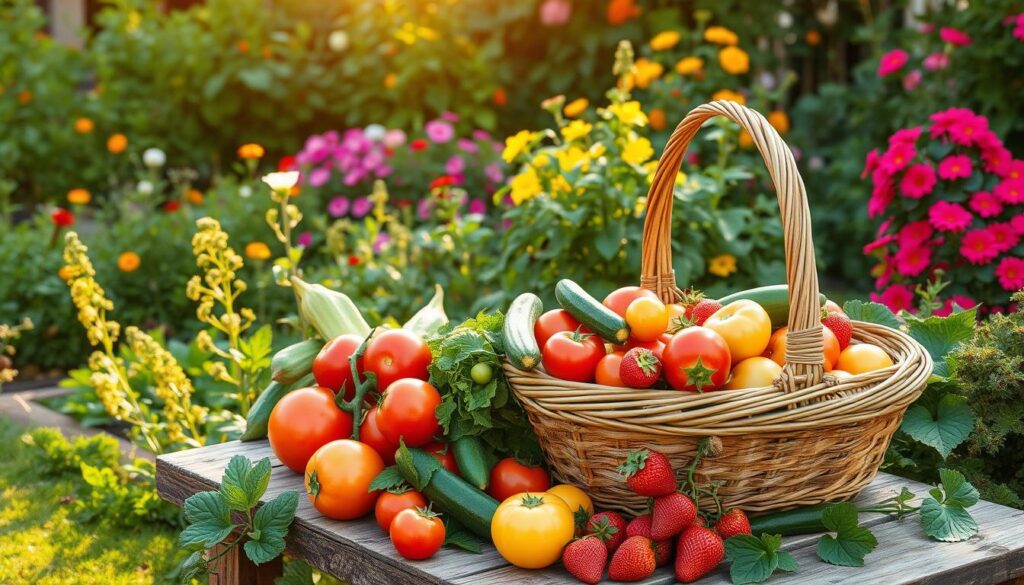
column 734, row 60
column 64, row 273
column 657, row 119
column 295, row 191
column 25, row 97
column 79, row 197
column 720, row 35
column 779, row 120
column 729, row 95
column 243, row 46
column 195, row 196
column 646, row 71
column 619, row 11
column 689, row 65
column 665, row 40
column 813, row 38
column 128, row 262
column 83, row 125
column 266, row 52
column 390, row 80
column 257, row 251
column 500, row 97
column 576, row 107
column 746, row 140
column 117, row 143
column 251, row 151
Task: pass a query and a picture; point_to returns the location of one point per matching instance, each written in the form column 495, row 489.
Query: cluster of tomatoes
column 692, row 346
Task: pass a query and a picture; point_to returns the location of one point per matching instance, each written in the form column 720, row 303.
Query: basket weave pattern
column 805, row 440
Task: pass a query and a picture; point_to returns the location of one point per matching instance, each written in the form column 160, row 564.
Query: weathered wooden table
column 359, row 552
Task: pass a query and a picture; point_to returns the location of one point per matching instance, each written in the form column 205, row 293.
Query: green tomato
column 481, row 373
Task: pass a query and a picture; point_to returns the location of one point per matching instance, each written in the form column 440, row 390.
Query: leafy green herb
column 944, row 514
column 755, row 559
column 388, row 479
column 851, row 541
column 951, row 424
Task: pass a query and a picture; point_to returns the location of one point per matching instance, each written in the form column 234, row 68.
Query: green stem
column 362, row 388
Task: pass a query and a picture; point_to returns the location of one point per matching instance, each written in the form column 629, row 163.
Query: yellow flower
column 390, row 80
column 665, row 40
column 573, row 157
column 734, row 60
column 427, row 33
column 645, row 71
column 79, row 197
column 516, row 144
column 779, row 120
column 597, row 150
column 117, row 143
column 720, row 35
column 746, row 140
column 576, row 129
column 195, row 196
column 629, row 113
column 689, row 65
column 637, row 151
column 730, row 96
column 525, row 185
column 83, row 125
column 722, row 265
column 257, row 251
column 560, row 185
column 541, row 160
column 128, row 262
column 250, row 151
column 575, row 107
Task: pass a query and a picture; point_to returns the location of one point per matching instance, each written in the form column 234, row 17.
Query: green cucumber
column 520, row 343
column 591, row 313
column 471, row 458
column 805, row 520
column 259, row 413
column 774, row 299
column 448, row 492
column 294, row 361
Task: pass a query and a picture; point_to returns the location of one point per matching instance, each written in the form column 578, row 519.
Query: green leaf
column 959, row 492
column 387, row 479
column 244, row 484
column 755, row 559
column 270, row 525
column 209, row 520
column 941, row 335
column 871, row 313
column 951, row 425
column 851, row 541
column 943, row 515
column 192, row 567
column 456, row 535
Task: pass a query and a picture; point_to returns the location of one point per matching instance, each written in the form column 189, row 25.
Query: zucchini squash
column 591, row 313
column 520, row 343
column 774, row 299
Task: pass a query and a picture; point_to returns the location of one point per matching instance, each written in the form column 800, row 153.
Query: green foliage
column 948, row 427
column 60, row 456
column 944, row 513
column 850, row 542
column 755, row 559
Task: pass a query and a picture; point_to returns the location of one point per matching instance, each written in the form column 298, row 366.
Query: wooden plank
column 234, row 568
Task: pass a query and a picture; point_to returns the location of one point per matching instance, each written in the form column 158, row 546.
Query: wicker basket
column 808, row 439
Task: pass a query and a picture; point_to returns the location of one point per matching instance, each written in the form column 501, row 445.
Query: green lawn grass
column 41, row 543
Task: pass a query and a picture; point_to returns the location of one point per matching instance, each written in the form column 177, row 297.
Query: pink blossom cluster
column 1017, row 22
column 896, row 60
column 950, row 196
column 356, row 155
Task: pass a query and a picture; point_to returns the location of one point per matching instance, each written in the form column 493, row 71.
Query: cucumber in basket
column 590, row 312
column 774, row 299
column 520, row 343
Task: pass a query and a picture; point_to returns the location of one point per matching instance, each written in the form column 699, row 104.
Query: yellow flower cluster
column 517, row 144
column 171, row 386
column 734, row 60
column 637, row 150
column 219, row 283
column 628, row 113
column 644, row 73
column 87, row 295
column 722, row 265
column 8, row 334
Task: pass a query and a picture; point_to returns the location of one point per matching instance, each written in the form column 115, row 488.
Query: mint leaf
column 244, row 484
column 209, row 521
column 941, row 335
column 943, row 515
column 388, row 479
column 269, row 527
column 951, row 426
column 851, row 541
column 871, row 313
column 456, row 535
column 755, row 559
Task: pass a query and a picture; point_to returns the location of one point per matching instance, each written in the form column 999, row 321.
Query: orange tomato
column 618, row 300
column 338, row 478
column 676, row 312
column 647, row 318
column 608, row 370
column 754, row 372
column 863, row 357
column 777, row 347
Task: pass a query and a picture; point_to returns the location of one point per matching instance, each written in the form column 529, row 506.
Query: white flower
column 337, row 41
column 375, row 132
column 281, row 182
column 816, row 163
column 154, row 158
column 785, row 19
column 245, row 191
column 767, row 80
column 144, row 187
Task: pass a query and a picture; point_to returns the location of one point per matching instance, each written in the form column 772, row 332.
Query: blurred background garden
column 485, row 146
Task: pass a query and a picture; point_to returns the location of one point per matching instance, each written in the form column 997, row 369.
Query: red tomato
column 417, row 534
column 510, row 477
column 682, row 352
column 338, row 478
column 657, row 346
column 302, row 422
column 572, row 356
column 607, row 373
column 369, row 433
column 619, row 300
column 395, row 354
column 389, row 504
column 407, row 412
column 331, row 367
column 552, row 322
column 443, row 453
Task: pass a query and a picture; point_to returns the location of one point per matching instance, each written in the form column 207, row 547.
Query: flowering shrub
column 951, row 199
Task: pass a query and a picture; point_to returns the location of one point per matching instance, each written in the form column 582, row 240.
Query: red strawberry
column 704, row 309
column 840, row 324
column 585, row 559
column 663, row 552
column 610, row 527
column 634, row 561
column 698, row 553
column 732, row 523
column 640, row 368
column 672, row 513
column 648, row 473
column 639, row 526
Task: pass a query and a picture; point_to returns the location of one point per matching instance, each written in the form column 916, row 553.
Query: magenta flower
column 912, row 80
column 871, row 161
column 1017, row 223
column 1004, row 235
column 361, row 206
column 439, row 131
column 979, row 246
column 966, row 130
column 424, row 209
column 555, row 12
column 892, row 62
column 381, row 242
column 305, row 239
column 468, row 146
column 915, row 233
column 905, row 135
column 943, row 121
column 918, row 181
column 455, row 165
column 1011, row 273
column 898, row 297
column 879, row 242
column 493, row 172
column 897, row 157
column 936, row 61
column 1010, row 191
column 478, row 206
column 997, row 159
column 338, row 206
column 985, row 204
column 954, row 36
column 957, row 166
column 319, row 176
column 451, row 117
column 960, row 301
column 912, row 260
column 949, row 217
column 881, row 196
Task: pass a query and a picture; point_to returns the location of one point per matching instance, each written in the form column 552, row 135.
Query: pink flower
column 555, row 12
column 467, row 145
column 957, row 166
column 912, row 260
column 918, row 181
column 897, row 297
column 954, row 36
column 338, row 206
column 997, row 160
column 897, row 157
column 394, row 138
column 960, row 301
column 944, row 120
column 892, row 62
column 1010, row 191
column 912, row 80
column 1005, row 236
column 904, row 135
column 979, row 246
column 439, row 131
column 936, row 61
column 319, row 176
column 871, row 162
column 455, row 165
column 305, row 239
column 1015, row 169
column 361, row 207
column 1011, row 273
column 879, row 242
column 985, row 204
column 1017, row 223
column 949, row 217
column 493, row 172
column 477, row 206
column 382, row 240
column 915, row 233
column 881, row 196
column 966, row 130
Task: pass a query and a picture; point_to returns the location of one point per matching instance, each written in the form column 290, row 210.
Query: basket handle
column 804, row 340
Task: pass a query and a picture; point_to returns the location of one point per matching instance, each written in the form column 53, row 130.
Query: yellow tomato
column 647, row 318
column 531, row 529
column 863, row 357
column 754, row 372
column 745, row 326
column 577, row 500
